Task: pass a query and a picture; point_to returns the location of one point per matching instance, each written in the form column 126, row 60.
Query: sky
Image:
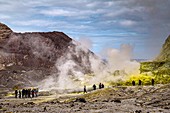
column 143, row 24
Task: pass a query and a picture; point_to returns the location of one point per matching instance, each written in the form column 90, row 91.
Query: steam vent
column 5, row 31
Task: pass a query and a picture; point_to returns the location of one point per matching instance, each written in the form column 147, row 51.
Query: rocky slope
column 161, row 64
column 165, row 52
column 28, row 58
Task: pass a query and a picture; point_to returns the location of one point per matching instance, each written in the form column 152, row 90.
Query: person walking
column 85, row 91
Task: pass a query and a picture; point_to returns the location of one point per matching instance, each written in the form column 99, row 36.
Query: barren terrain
column 118, row 99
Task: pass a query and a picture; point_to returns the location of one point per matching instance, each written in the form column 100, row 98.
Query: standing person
column 32, row 93
column 153, row 81
column 29, row 93
column 133, row 83
column 94, row 87
column 16, row 93
column 26, row 93
column 100, row 85
column 140, row 82
column 85, row 91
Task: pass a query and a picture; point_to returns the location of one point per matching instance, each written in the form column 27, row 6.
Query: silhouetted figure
column 133, row 83
column 153, row 81
column 26, row 93
column 85, row 91
column 140, row 82
column 19, row 93
column 16, row 93
column 100, row 85
column 29, row 93
column 94, row 87
column 32, row 92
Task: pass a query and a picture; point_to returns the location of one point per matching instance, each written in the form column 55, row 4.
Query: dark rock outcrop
column 34, row 49
column 27, row 58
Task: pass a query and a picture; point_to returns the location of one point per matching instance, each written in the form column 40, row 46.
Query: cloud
column 72, row 13
column 127, row 23
column 149, row 20
column 58, row 12
column 34, row 23
column 2, row 17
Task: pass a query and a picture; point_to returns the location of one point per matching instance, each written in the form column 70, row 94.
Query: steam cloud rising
column 69, row 77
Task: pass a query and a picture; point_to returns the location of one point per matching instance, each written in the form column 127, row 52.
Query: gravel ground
column 143, row 99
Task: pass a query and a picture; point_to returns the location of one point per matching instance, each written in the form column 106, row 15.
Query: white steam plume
column 117, row 59
column 70, row 75
column 120, row 59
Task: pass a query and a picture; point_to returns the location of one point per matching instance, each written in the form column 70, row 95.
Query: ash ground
column 120, row 99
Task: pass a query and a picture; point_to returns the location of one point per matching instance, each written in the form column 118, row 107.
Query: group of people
column 94, row 87
column 140, row 82
column 26, row 93
column 100, row 86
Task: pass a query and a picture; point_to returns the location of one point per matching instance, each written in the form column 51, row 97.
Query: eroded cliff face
column 161, row 64
column 28, row 58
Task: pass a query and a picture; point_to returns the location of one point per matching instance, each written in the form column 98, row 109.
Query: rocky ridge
column 28, row 58
column 165, row 52
column 161, row 64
